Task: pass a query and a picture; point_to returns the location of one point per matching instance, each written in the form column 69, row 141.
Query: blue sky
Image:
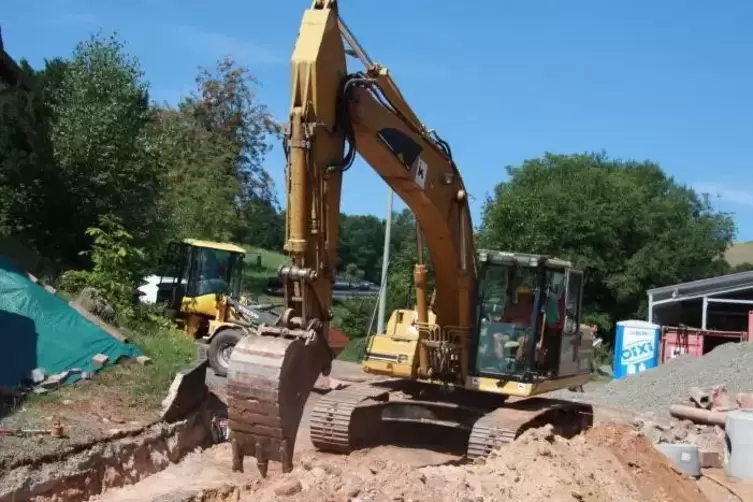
column 502, row 81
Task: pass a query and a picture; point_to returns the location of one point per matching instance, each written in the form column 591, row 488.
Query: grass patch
column 256, row 275
column 141, row 388
column 170, row 351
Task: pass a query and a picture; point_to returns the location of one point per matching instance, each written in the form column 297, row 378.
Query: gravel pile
column 656, row 390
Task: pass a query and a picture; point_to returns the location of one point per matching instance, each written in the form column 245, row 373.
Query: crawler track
column 337, row 424
column 503, row 425
column 346, row 419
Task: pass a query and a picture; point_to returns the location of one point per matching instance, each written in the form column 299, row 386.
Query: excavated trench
column 109, row 463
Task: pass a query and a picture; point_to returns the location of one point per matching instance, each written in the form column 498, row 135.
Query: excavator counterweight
column 498, row 325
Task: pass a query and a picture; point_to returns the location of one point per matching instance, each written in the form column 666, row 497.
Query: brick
column 143, row 360
column 100, row 360
column 710, row 459
column 54, row 381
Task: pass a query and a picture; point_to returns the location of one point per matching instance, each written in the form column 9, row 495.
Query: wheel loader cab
column 196, row 274
column 528, row 317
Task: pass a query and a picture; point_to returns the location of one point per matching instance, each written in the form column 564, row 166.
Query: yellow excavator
column 500, row 329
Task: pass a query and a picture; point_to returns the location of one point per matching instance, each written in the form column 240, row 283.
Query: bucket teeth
column 270, row 376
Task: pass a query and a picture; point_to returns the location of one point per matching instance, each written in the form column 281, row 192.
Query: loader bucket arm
column 272, row 371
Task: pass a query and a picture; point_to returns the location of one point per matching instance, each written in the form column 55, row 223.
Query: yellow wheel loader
column 501, row 328
column 201, row 286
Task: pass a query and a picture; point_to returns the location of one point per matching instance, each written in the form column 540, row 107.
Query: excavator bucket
column 270, row 377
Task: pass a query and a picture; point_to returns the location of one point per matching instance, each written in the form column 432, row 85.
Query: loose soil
column 610, row 463
column 88, row 411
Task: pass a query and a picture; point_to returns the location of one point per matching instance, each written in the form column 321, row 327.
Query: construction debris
column 698, row 416
column 744, row 400
column 700, row 397
column 684, row 457
column 186, row 393
column 656, row 390
column 37, row 375
column 53, row 382
column 99, row 360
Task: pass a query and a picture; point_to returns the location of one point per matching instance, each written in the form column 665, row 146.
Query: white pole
column 385, row 265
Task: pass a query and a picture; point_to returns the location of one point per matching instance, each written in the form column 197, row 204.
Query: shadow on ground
column 18, row 357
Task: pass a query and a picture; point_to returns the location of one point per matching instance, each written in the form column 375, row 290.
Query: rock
column 744, row 400
column 651, row 432
column 93, row 301
column 288, row 487
column 330, row 469
column 679, row 432
column 143, row 360
column 54, row 381
column 656, row 434
column 719, row 399
column 605, row 370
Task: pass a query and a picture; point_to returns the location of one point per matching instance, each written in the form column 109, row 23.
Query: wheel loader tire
column 220, row 348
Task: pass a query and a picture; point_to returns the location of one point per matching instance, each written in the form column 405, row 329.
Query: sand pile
column 610, row 463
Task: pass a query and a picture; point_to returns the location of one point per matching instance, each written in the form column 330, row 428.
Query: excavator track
column 339, row 420
column 270, row 377
column 504, row 425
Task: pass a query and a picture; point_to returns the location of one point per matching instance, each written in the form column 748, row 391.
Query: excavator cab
column 527, row 338
column 528, row 317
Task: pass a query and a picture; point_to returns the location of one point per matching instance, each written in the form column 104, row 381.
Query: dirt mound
column 611, row 463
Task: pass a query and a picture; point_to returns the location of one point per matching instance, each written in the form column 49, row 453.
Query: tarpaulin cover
column 40, row 330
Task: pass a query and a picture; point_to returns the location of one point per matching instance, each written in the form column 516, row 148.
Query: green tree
column 117, row 263
column 199, row 199
column 101, row 144
column 353, row 316
column 360, row 246
column 627, row 223
column 227, row 107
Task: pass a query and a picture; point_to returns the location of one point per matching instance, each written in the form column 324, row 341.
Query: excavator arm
column 334, row 115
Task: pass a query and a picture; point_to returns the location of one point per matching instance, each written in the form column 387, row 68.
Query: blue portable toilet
column 636, row 347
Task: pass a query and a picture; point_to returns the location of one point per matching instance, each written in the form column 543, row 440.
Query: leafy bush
column 353, row 317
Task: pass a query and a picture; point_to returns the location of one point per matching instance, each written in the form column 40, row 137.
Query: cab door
column 571, row 336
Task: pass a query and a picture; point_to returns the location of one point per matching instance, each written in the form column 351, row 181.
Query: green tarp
column 40, row 330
